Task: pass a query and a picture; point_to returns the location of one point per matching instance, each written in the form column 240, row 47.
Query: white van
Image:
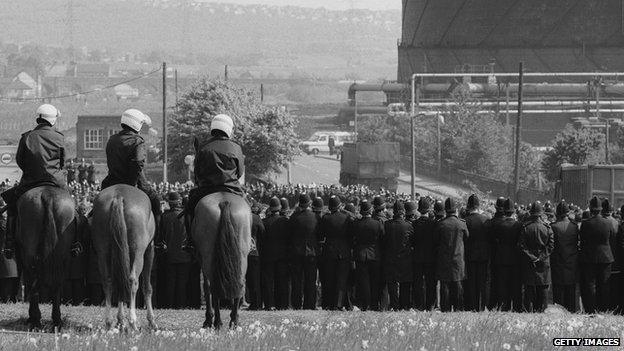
column 319, row 142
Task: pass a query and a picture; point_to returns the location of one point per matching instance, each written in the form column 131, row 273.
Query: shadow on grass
column 21, row 325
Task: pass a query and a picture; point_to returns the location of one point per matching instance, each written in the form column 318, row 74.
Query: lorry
column 578, row 184
column 374, row 165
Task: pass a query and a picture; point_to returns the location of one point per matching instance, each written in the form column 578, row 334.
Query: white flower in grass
column 364, row 344
column 65, row 336
column 283, row 335
column 285, row 321
column 422, row 348
column 517, row 347
column 506, row 346
column 134, row 348
column 32, row 341
column 401, row 333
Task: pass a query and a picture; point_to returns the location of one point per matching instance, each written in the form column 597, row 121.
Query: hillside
column 358, row 43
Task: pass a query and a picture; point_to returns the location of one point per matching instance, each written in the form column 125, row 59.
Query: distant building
column 92, row 70
column 93, row 132
column 20, row 87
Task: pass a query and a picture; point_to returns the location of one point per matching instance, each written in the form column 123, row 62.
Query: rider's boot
column 188, row 245
column 9, row 243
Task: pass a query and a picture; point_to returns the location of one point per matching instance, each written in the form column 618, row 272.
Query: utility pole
column 518, row 134
column 412, row 138
column 226, row 73
column 175, row 75
column 164, row 120
column 261, row 93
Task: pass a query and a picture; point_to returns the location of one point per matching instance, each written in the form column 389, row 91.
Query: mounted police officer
column 41, row 157
column 219, row 166
column 126, row 155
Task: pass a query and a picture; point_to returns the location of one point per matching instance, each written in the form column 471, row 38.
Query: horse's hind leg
column 209, row 308
column 234, row 313
column 121, row 324
column 107, row 287
column 134, row 280
column 216, row 303
column 56, row 307
column 147, row 285
column 34, row 314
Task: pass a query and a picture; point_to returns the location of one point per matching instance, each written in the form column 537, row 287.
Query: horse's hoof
column 35, row 327
column 233, row 324
column 153, row 326
column 217, row 326
column 207, row 325
column 108, row 325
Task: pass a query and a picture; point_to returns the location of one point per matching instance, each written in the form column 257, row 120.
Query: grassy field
column 311, row 330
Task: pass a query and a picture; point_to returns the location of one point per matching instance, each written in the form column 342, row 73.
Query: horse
column 45, row 231
column 123, row 229
column 221, row 230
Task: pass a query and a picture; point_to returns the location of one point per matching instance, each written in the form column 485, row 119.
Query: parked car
column 326, row 142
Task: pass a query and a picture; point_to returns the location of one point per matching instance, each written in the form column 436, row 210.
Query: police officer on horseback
column 41, row 156
column 219, row 167
column 126, row 155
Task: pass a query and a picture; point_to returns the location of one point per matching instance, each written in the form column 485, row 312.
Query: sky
column 330, row 4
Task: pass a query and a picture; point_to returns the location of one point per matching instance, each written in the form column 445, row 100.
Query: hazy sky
column 330, row 4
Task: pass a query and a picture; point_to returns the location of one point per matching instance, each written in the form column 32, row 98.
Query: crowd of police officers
column 390, row 255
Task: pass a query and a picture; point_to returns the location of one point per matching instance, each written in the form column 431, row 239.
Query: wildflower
column 33, row 341
column 476, row 344
column 422, row 348
column 517, row 347
column 364, row 344
column 239, row 329
column 65, row 336
column 401, row 333
column 283, row 335
column 286, row 321
column 134, row 348
column 506, row 346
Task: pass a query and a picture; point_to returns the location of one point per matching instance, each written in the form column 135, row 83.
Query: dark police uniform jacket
column 423, row 240
column 396, row 250
column 504, row 233
column 257, row 230
column 597, row 233
column 219, row 164
column 536, row 242
column 41, row 157
column 273, row 243
column 303, row 228
column 477, row 246
column 126, row 155
column 366, row 234
column 334, row 232
column 564, row 259
column 451, row 234
column 173, row 233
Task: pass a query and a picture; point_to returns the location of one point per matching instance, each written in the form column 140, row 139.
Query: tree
column 266, row 135
column 576, row 146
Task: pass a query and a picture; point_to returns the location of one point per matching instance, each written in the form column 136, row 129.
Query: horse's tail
column 120, row 250
column 51, row 261
column 227, row 275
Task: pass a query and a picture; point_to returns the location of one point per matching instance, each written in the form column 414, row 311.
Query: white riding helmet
column 135, row 119
column 223, row 123
column 48, row 113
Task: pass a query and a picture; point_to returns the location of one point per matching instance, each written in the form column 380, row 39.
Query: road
column 322, row 169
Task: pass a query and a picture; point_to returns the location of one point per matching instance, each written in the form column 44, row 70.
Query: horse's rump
column 222, row 233
column 122, row 227
column 46, row 242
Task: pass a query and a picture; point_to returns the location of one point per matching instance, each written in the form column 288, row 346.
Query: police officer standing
column 477, row 257
column 178, row 262
column 253, row 260
column 596, row 258
column 397, row 258
column 336, row 254
column 304, row 245
column 367, row 233
column 504, row 231
column 424, row 253
column 564, row 259
column 451, row 234
column 536, row 242
column 273, row 247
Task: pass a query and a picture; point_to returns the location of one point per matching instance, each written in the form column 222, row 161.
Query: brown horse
column 45, row 231
column 222, row 234
column 123, row 230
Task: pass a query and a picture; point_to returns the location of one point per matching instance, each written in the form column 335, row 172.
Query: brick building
column 93, row 132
